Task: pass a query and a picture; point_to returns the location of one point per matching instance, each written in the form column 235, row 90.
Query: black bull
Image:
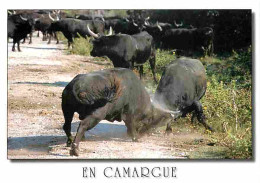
column 182, row 85
column 126, row 51
column 197, row 39
column 18, row 27
column 71, row 27
column 113, row 94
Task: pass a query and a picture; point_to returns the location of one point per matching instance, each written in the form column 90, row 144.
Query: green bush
column 227, row 102
column 237, row 67
column 81, row 46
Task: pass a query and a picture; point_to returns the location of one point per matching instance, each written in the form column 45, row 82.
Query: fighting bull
column 113, row 94
column 182, row 85
column 125, row 50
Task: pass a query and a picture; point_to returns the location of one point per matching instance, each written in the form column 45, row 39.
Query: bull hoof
column 74, row 152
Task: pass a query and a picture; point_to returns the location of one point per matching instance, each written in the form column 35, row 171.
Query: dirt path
column 36, row 78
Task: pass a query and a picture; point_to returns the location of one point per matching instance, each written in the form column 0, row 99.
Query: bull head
column 97, row 35
column 57, row 17
column 157, row 118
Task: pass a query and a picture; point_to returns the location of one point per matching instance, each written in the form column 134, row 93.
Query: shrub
column 81, row 46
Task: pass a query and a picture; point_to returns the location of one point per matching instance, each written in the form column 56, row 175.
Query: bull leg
column 194, row 115
column 68, row 115
column 85, row 125
column 88, row 123
column 18, row 46
column 50, row 35
column 152, row 65
column 56, row 37
column 44, row 37
column 13, row 48
column 23, row 40
column 38, row 34
column 168, row 128
column 141, row 71
column 131, row 128
column 30, row 42
column 200, row 116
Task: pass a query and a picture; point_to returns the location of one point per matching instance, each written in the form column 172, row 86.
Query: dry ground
column 36, row 78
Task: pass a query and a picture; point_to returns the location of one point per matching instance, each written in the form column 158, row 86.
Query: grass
column 227, row 102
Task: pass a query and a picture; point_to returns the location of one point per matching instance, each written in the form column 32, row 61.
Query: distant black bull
column 113, row 94
column 182, row 85
column 123, row 25
column 196, row 39
column 18, row 27
column 44, row 23
column 125, row 50
column 71, row 27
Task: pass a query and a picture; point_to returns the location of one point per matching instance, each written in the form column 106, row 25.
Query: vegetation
column 81, row 46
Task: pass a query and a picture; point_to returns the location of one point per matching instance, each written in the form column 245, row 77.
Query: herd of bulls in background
column 165, row 35
column 117, row 94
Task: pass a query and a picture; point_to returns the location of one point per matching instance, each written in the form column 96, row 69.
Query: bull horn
column 36, row 19
column 145, row 23
column 51, row 17
column 159, row 27
column 92, row 33
column 126, row 20
column 178, row 25
column 135, row 24
column 24, row 19
column 14, row 12
column 147, row 18
column 9, row 12
column 110, row 31
column 57, row 17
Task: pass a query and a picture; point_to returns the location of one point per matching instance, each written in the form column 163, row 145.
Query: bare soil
column 36, row 79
